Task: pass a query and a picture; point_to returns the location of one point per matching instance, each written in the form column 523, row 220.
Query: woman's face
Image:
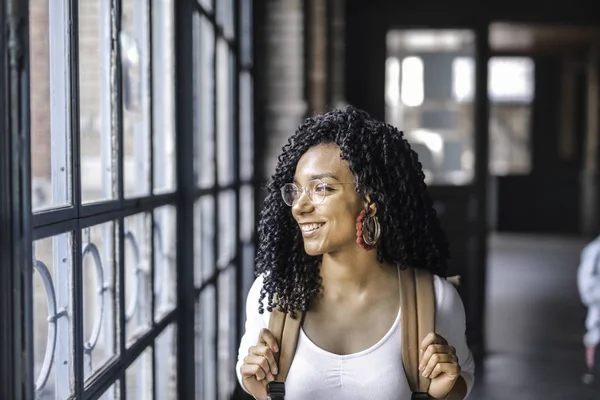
column 329, row 226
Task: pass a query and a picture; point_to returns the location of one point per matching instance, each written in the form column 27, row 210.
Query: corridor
column 534, row 321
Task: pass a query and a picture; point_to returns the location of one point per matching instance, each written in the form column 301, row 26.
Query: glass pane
column 96, row 141
column 204, row 236
column 112, row 392
column 163, row 95
column 207, row 4
column 165, row 242
column 133, row 43
column 225, row 155
column 225, row 17
column 247, row 213
column 166, row 367
column 246, row 127
column 49, row 113
column 139, row 377
column 205, row 350
column 226, row 346
column 246, row 32
column 421, row 100
column 138, row 290
column 52, row 343
column 204, row 53
column 248, row 275
column 510, row 79
column 100, row 302
column 227, row 233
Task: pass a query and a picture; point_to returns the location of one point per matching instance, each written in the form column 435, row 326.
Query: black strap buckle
column 276, row 390
column 420, row 396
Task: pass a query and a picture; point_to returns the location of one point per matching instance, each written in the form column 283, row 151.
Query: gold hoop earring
column 371, row 230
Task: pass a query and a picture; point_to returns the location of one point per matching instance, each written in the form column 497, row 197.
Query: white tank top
column 372, row 374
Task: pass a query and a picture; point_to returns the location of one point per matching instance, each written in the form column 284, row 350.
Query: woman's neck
column 356, row 274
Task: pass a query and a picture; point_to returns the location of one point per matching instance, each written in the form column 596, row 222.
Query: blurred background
column 151, row 127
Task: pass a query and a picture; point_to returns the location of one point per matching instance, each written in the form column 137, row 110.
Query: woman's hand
column 259, row 367
column 440, row 364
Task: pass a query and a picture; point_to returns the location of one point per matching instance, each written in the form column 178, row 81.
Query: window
column 224, row 174
column 95, row 304
column 411, row 90
column 419, row 100
column 102, row 311
column 510, row 91
column 510, row 79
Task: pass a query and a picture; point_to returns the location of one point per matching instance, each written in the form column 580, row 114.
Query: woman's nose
column 302, row 203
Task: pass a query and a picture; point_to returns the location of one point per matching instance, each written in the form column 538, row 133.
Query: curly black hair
column 386, row 169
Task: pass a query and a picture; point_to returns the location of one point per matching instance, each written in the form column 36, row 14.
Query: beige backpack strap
column 286, row 330
column 417, row 307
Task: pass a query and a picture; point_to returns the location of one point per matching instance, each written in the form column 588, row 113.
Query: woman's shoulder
column 253, row 298
column 446, row 294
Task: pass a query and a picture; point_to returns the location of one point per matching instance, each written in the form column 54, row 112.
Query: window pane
column 139, row 377
column 204, row 236
column 138, row 291
column 204, row 50
column 99, row 297
column 112, row 392
column 246, row 127
column 247, row 213
column 205, row 348
column 133, row 43
column 166, row 367
column 207, row 4
column 511, row 90
column 421, row 101
column 225, row 17
column 49, row 113
column 165, row 242
column 226, row 345
column 163, row 95
column 246, row 32
column 248, row 275
column 96, row 141
column 227, row 233
column 52, row 342
column 226, row 150
column 510, row 79
column 411, row 88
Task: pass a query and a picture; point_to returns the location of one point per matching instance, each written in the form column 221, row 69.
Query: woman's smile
column 310, row 229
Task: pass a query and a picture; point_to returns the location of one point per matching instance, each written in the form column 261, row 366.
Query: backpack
column 416, row 293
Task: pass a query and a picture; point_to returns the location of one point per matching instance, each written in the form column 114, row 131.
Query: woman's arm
column 451, row 324
column 255, row 322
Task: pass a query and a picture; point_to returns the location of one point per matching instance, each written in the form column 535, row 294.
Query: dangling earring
column 359, row 231
column 368, row 230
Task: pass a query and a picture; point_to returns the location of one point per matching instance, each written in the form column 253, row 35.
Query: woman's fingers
column 450, row 369
column 252, row 371
column 263, row 363
column 259, row 367
column 267, row 338
column 267, row 354
column 435, row 349
column 438, row 359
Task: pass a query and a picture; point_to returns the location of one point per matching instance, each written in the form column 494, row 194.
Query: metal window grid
column 18, row 260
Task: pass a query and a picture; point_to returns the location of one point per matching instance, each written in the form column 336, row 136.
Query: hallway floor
column 535, row 321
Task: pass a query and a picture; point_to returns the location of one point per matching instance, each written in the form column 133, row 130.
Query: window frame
column 26, row 226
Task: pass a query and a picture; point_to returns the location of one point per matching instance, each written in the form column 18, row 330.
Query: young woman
column 346, row 209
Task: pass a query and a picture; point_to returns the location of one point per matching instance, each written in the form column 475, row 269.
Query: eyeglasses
column 316, row 190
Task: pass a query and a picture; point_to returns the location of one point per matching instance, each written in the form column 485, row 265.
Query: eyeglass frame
column 302, row 190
